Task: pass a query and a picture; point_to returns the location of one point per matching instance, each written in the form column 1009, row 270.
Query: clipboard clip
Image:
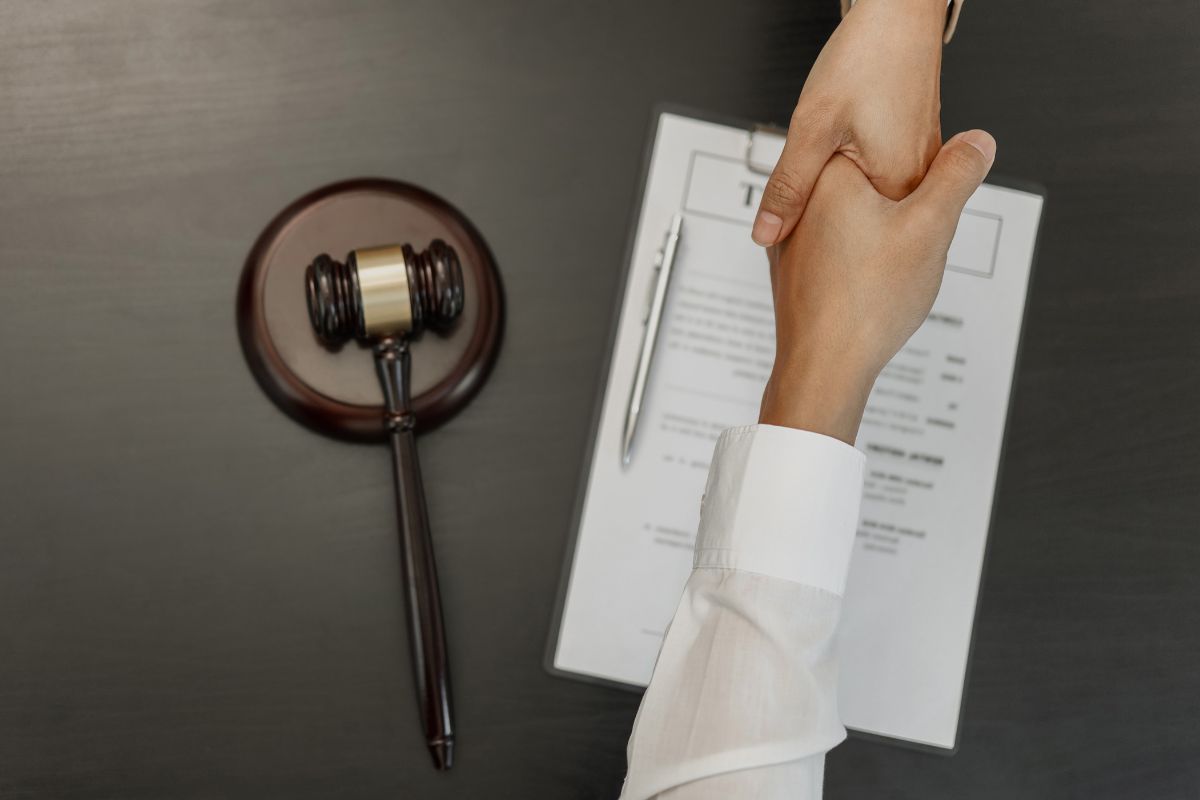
column 764, row 144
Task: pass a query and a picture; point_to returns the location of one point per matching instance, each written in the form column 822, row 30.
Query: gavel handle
column 426, row 632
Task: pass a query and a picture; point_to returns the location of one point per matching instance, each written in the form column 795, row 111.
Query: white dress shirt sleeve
column 743, row 700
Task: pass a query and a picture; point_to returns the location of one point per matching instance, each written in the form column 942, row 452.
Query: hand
column 856, row 279
column 873, row 96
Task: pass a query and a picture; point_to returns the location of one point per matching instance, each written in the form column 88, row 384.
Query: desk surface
column 182, row 616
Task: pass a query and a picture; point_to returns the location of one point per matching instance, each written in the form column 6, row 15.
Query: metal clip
column 764, row 144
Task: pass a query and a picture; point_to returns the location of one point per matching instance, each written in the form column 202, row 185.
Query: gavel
column 386, row 297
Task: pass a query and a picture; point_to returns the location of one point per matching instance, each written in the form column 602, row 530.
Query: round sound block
column 338, row 393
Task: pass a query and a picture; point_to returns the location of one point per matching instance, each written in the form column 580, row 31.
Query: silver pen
column 652, row 322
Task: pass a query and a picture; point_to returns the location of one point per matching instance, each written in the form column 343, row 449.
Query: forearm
column 945, row 11
column 743, row 701
column 750, row 675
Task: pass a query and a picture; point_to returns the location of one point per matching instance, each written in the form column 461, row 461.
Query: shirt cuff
column 781, row 502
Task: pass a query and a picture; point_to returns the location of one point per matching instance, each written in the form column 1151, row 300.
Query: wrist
column 932, row 12
column 825, row 401
column 938, row 6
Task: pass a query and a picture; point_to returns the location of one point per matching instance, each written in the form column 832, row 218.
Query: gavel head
column 379, row 292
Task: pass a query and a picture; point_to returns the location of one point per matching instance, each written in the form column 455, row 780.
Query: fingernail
column 981, row 141
column 766, row 228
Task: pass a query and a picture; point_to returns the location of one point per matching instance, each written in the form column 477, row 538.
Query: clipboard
column 762, row 146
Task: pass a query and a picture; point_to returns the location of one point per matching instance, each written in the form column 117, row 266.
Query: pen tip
column 442, row 751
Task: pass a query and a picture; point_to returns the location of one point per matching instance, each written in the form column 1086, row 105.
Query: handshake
column 860, row 211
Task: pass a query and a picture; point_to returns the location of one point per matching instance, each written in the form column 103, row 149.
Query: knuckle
column 820, row 104
column 814, row 119
column 964, row 160
column 783, row 189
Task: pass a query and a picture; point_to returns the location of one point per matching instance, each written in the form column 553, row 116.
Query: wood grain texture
column 182, row 617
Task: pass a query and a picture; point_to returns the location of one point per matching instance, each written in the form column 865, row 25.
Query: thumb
column 811, row 140
column 954, row 175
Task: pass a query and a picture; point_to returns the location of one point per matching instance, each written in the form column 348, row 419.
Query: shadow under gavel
column 387, row 296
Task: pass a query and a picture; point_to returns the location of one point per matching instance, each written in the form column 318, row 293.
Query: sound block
column 338, row 393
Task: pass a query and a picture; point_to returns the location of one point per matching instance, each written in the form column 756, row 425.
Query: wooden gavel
column 387, row 296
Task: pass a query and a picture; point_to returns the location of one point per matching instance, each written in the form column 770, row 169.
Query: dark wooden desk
column 182, row 616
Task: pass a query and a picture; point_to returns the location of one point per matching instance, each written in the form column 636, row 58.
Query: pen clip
column 651, row 286
column 660, row 257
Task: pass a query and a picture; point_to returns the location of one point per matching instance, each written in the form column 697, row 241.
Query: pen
column 664, row 265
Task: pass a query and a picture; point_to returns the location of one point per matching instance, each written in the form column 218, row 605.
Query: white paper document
column 932, row 433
